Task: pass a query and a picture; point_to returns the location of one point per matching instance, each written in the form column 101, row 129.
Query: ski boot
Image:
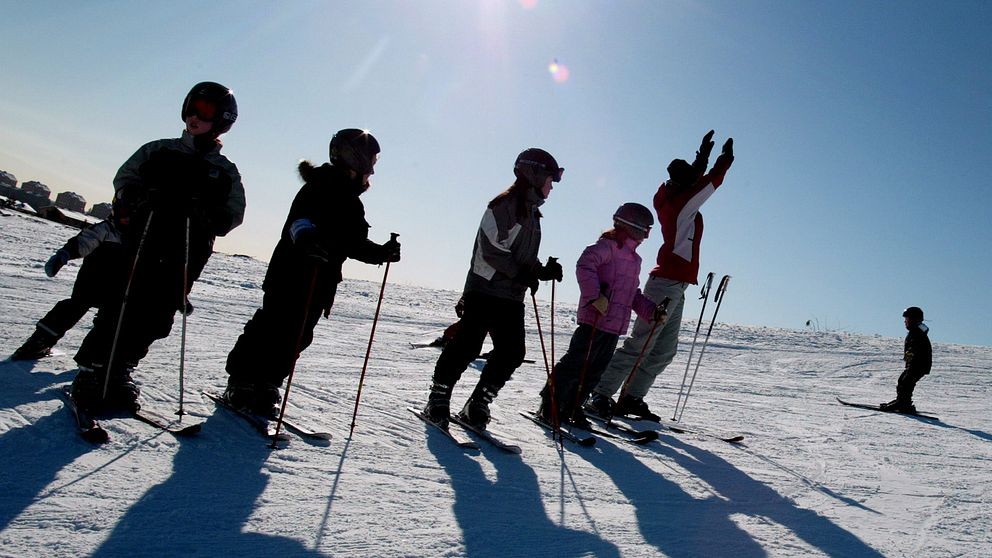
column 476, row 410
column 256, row 398
column 631, row 406
column 39, row 345
column 87, row 390
column 438, row 408
column 600, row 405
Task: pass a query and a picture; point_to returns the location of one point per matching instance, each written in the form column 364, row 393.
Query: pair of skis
column 92, row 431
column 267, row 427
column 492, row 438
column 630, row 435
column 623, row 423
column 880, row 409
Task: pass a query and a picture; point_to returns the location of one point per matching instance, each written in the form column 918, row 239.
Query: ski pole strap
column 704, row 293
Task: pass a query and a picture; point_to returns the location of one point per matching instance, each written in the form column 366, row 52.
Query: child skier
column 172, row 198
column 608, row 273
column 504, row 265
column 677, row 203
column 918, row 355
column 325, row 226
column 98, row 245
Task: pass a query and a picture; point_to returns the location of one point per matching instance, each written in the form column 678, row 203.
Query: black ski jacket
column 329, row 200
column 917, row 351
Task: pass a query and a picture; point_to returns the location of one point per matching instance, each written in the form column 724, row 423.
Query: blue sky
column 862, row 129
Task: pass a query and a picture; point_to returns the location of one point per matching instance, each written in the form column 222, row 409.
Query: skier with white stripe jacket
column 504, row 265
column 677, row 203
column 172, row 198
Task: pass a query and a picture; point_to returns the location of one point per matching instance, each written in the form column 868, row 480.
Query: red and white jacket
column 682, row 223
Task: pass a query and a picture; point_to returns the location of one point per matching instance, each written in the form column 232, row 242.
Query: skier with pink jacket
column 608, row 273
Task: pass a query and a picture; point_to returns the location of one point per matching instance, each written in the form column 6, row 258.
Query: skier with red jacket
column 677, row 203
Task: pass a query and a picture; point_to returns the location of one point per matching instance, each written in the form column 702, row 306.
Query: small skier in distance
column 918, row 355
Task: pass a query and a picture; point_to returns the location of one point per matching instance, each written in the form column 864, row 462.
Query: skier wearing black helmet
column 326, row 225
column 677, row 203
column 918, row 356
column 172, row 198
column 503, row 266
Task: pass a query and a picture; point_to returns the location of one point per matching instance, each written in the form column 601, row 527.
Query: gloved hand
column 529, row 277
column 601, row 304
column 391, row 250
column 661, row 311
column 550, row 271
column 460, row 307
column 55, row 263
column 728, row 148
column 706, row 146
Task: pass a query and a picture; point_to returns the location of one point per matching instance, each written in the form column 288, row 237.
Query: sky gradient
column 861, row 130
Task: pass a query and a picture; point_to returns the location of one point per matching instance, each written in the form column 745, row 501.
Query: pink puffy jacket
column 612, row 270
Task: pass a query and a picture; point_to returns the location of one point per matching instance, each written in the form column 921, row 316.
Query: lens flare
column 558, row 71
column 528, row 4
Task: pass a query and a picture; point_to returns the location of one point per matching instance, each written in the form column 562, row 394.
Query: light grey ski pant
column 661, row 351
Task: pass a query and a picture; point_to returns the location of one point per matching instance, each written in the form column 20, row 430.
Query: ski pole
column 182, row 342
column 585, row 366
column 120, row 315
column 368, row 351
column 633, row 370
column 552, row 321
column 718, row 298
column 555, row 423
column 704, row 295
column 296, row 353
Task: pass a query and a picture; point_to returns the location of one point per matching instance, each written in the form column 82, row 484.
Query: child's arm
column 587, row 270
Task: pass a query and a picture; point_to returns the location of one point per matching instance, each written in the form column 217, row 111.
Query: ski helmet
column 214, row 102
column 682, row 173
column 535, row 166
column 355, row 149
column 914, row 313
column 636, row 216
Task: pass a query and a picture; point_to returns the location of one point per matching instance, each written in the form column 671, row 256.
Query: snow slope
column 813, row 478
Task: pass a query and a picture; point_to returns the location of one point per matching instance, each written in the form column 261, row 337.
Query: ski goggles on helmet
column 639, row 228
column 555, row 173
column 203, row 109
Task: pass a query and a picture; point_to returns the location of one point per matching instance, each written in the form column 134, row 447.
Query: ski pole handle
column 393, row 236
column 722, row 289
column 704, row 293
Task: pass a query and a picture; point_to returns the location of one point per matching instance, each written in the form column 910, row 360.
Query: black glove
column 728, row 148
column 391, row 250
column 551, row 271
column 661, row 311
column 530, row 278
column 460, row 307
column 706, row 146
column 55, row 263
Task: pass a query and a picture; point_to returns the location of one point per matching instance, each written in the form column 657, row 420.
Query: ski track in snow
column 813, row 478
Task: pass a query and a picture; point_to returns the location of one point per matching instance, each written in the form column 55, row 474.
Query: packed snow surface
column 812, row 478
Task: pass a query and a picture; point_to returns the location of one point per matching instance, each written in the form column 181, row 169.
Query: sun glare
column 558, row 71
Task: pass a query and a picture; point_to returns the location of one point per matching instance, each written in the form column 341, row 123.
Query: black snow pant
column 89, row 291
column 277, row 333
column 156, row 293
column 906, row 385
column 574, row 378
column 503, row 320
